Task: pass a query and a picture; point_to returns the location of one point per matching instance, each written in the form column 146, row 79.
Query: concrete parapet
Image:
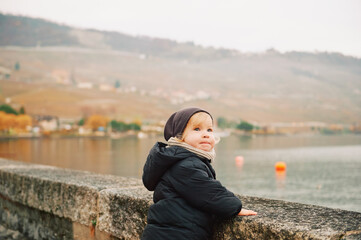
column 42, row 202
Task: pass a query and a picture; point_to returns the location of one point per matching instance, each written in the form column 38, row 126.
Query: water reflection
column 7, row 150
column 280, row 179
column 321, row 170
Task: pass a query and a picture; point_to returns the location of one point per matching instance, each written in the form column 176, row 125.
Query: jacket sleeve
column 192, row 182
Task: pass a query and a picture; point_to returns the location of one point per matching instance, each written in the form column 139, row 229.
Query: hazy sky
column 246, row 25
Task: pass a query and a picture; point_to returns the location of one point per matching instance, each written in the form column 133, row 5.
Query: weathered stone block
column 62, row 192
column 123, row 212
column 23, row 222
column 288, row 220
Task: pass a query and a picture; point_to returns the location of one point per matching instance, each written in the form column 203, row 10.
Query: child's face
column 200, row 135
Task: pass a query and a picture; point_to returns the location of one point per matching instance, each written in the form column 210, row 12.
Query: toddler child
column 187, row 197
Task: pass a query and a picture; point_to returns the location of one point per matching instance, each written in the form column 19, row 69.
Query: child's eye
column 210, row 130
column 196, row 129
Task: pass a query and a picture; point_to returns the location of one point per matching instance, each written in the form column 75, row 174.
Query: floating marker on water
column 239, row 161
column 280, row 166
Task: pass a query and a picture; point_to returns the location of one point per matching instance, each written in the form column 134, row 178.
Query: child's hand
column 246, row 212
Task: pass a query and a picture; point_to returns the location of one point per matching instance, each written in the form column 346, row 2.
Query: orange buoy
column 239, row 161
column 280, row 166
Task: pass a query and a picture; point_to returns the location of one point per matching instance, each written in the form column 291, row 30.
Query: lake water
column 321, row 170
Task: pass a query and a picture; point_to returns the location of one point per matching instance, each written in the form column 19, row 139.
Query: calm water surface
column 322, row 170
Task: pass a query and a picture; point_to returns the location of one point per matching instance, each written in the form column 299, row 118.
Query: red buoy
column 239, row 161
column 280, row 166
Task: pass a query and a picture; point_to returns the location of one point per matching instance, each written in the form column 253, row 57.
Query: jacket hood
column 159, row 160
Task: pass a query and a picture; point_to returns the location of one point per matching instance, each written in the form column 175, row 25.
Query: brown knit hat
column 177, row 122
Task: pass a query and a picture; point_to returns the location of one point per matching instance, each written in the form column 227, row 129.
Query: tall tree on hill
column 22, row 110
column 17, row 66
column 117, row 84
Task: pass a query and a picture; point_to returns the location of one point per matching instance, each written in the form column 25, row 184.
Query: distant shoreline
column 141, row 135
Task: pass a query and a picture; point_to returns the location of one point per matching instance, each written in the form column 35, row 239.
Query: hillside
column 31, row 32
column 158, row 76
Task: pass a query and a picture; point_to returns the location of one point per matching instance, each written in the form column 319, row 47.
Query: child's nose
column 206, row 134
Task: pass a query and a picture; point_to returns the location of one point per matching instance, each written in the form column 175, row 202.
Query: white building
column 85, row 85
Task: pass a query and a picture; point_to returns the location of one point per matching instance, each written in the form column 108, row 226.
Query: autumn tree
column 11, row 121
column 96, row 121
column 2, row 121
column 7, row 121
column 22, row 121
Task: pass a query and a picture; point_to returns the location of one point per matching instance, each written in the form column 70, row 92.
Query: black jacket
column 187, row 198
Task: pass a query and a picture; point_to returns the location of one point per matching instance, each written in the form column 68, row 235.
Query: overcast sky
column 249, row 26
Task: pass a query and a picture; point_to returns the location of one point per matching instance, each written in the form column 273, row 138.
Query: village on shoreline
column 17, row 125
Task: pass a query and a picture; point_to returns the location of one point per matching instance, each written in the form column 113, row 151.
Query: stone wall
column 43, row 202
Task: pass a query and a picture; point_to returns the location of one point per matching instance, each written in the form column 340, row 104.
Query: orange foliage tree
column 22, row 121
column 96, row 121
column 7, row 121
column 11, row 121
